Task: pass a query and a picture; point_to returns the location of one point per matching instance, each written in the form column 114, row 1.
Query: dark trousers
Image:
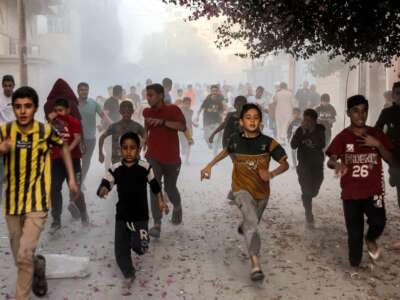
column 170, row 173
column 58, row 176
column 87, row 156
column 354, row 211
column 310, row 179
column 394, row 180
column 328, row 136
column 129, row 236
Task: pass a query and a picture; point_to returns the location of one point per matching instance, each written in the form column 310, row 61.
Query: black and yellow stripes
column 27, row 168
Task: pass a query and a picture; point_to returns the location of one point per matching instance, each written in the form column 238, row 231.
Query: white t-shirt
column 6, row 111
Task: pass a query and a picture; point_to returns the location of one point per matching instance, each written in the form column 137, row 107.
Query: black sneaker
column 155, row 231
column 177, row 216
column 39, row 283
column 240, row 229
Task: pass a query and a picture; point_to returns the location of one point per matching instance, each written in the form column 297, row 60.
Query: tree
column 367, row 31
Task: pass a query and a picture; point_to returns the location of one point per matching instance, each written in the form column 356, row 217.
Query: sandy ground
column 204, row 258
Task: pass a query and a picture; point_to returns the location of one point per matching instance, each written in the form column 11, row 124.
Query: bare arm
column 101, row 144
column 75, row 142
column 206, row 172
column 66, row 156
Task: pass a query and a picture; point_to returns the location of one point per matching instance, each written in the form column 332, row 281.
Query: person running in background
column 387, row 96
column 162, row 123
column 326, row 116
column 309, row 141
column 315, row 97
column 251, row 152
column 131, row 176
column 284, row 107
column 167, row 84
column 88, row 108
column 6, row 111
column 117, row 129
column 356, row 156
column 186, row 143
column 303, row 96
column 231, row 123
column 69, row 128
column 213, row 108
column 389, row 122
column 191, row 94
column 294, row 124
column 25, row 145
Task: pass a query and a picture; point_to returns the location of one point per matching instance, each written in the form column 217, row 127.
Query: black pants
column 129, row 236
column 354, row 211
column 170, row 174
column 394, row 180
column 310, row 179
column 87, row 156
column 58, row 176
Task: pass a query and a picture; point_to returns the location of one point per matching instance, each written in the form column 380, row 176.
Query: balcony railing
column 9, row 47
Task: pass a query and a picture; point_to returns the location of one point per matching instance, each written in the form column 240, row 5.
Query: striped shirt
column 27, row 167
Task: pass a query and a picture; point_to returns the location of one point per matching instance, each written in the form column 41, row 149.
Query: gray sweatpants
column 252, row 211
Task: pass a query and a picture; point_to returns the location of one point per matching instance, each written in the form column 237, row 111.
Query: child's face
column 324, row 102
column 251, row 121
column 24, row 110
column 186, row 104
column 129, row 150
column 61, row 110
column 296, row 114
column 126, row 114
column 358, row 115
column 308, row 122
column 396, row 94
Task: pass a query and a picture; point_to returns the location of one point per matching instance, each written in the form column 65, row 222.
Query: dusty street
column 205, row 258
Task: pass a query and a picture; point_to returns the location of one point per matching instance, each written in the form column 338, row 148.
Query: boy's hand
column 5, row 146
column 370, row 141
column 73, row 189
column 103, row 192
column 51, row 116
column 101, row 157
column 340, row 169
column 205, row 173
column 265, row 175
column 152, row 122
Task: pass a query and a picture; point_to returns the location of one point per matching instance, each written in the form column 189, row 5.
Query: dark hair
column 356, row 100
column 396, row 85
column 25, row 92
column 126, row 105
column 283, row 85
column 8, row 78
column 214, row 86
column 61, row 102
column 239, row 99
column 325, row 97
column 156, row 87
column 81, row 84
column 167, row 82
column 249, row 106
column 310, row 113
column 187, row 99
column 117, row 90
column 130, row 136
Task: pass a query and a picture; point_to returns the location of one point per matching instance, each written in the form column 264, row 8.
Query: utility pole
column 22, row 43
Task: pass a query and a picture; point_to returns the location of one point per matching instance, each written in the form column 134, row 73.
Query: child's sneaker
column 177, row 216
column 257, row 274
column 74, row 210
column 155, row 231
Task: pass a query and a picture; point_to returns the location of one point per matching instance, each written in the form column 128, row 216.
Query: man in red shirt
column 70, row 131
column 356, row 156
column 162, row 123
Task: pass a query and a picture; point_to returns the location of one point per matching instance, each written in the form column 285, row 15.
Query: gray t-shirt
column 88, row 113
column 116, row 130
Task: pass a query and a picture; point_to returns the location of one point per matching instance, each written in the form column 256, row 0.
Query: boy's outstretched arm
column 206, row 172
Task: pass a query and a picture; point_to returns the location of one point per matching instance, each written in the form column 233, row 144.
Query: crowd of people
column 159, row 121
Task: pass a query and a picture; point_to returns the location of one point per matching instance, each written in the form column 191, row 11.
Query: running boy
column 356, row 156
column 126, row 124
column 231, row 124
column 131, row 176
column 70, row 131
column 309, row 141
column 326, row 116
column 294, row 124
column 25, row 145
column 186, row 138
column 251, row 152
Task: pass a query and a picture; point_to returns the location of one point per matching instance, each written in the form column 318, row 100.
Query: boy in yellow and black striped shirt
column 26, row 145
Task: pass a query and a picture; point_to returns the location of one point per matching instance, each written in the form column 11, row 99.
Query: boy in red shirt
column 70, row 131
column 356, row 156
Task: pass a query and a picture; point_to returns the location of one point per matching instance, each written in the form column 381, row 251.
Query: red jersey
column 364, row 177
column 163, row 142
column 67, row 126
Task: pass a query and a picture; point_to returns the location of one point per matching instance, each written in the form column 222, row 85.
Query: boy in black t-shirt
column 309, row 140
column 131, row 176
column 326, row 116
